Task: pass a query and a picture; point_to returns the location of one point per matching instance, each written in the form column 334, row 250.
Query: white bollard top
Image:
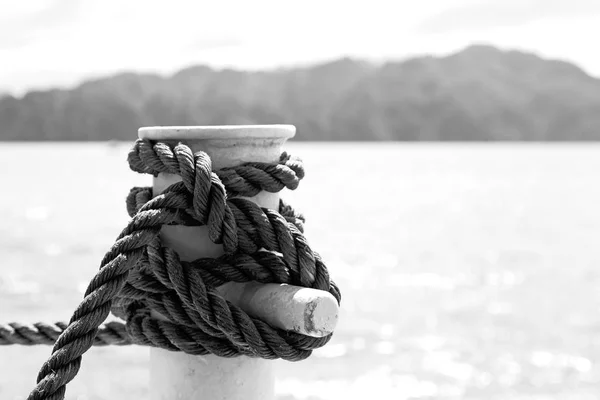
column 217, row 132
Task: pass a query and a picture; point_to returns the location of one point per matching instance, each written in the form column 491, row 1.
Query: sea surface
column 469, row 271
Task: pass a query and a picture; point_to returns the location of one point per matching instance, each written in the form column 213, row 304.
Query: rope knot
column 174, row 304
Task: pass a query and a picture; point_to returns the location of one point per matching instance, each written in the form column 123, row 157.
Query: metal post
column 178, row 376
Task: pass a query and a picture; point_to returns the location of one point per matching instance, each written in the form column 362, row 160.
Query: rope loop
column 139, row 276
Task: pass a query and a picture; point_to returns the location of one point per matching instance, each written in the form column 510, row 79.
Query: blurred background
column 469, row 269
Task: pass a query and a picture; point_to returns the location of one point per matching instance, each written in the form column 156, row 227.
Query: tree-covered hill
column 480, row 93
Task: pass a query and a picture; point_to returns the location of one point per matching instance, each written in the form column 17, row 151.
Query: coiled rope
column 139, row 275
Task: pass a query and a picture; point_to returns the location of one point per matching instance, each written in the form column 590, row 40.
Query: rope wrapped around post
column 140, row 276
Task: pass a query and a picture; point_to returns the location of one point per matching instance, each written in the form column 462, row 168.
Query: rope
column 112, row 333
column 139, row 276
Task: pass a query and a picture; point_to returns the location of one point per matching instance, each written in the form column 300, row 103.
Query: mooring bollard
column 175, row 376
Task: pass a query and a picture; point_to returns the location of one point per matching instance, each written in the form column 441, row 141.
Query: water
column 468, row 271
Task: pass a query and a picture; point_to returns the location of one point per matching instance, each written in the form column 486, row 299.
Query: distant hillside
column 480, row 93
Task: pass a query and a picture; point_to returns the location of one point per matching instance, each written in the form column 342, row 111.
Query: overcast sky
column 46, row 43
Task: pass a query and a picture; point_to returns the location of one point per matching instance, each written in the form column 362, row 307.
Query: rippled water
column 468, row 271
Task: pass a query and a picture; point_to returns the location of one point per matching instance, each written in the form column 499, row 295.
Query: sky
column 59, row 43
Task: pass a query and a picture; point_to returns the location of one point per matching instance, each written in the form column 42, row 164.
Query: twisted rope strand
column 245, row 180
column 139, row 277
column 112, row 333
